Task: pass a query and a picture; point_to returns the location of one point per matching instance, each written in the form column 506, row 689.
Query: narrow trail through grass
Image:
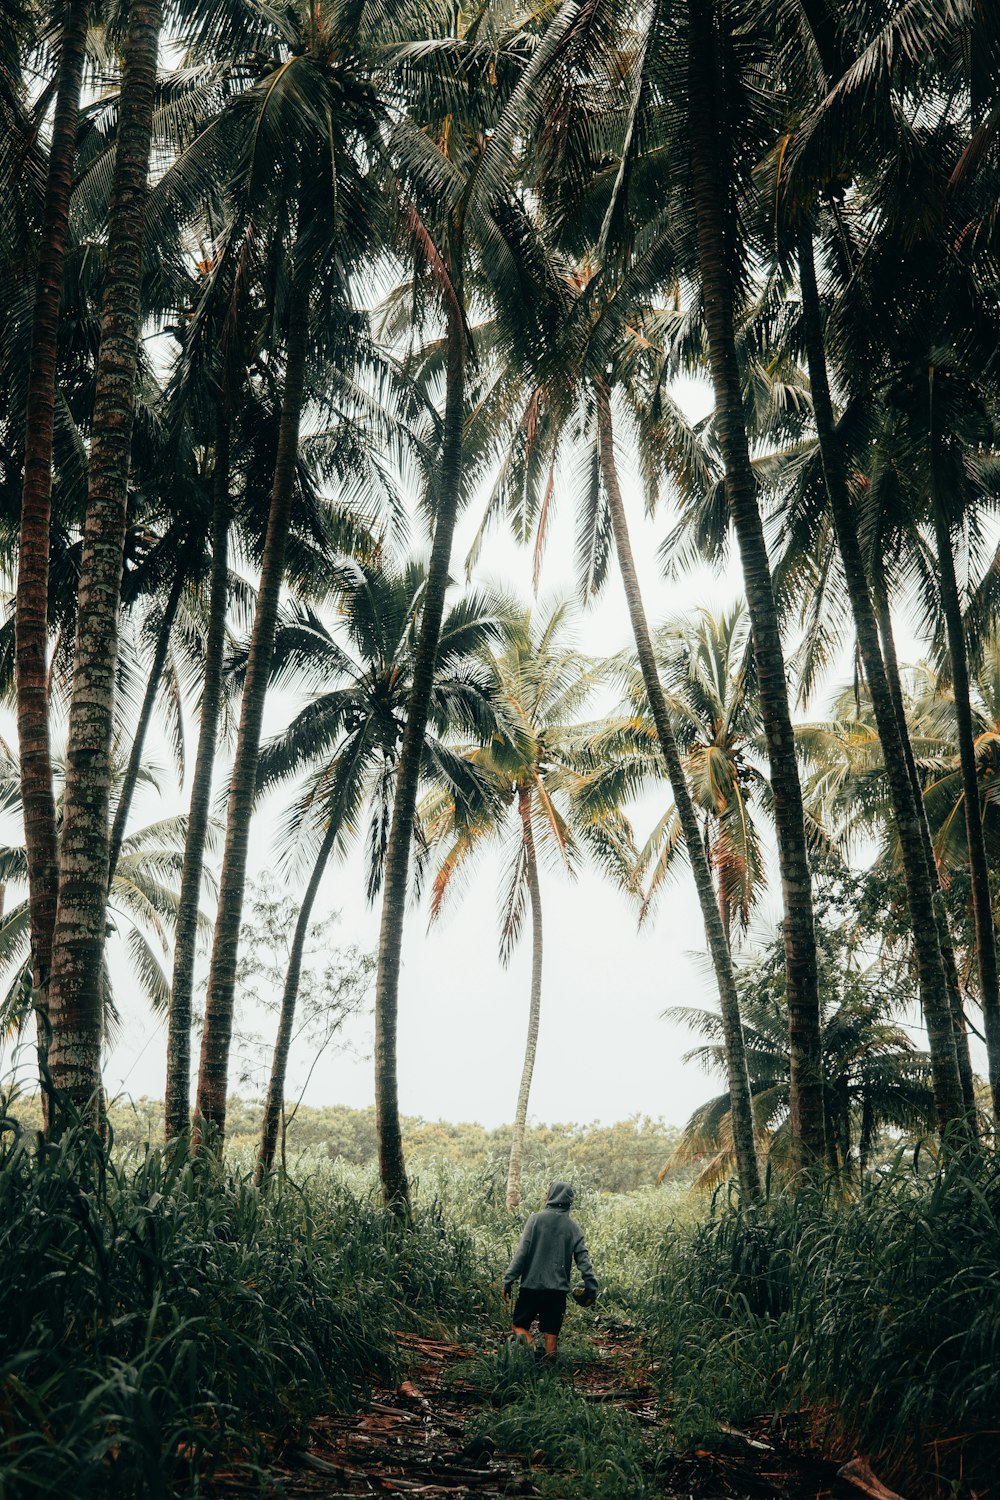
column 484, row 1422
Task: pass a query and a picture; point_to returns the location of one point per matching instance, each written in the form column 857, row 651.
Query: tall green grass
column 878, row 1320
column 160, row 1315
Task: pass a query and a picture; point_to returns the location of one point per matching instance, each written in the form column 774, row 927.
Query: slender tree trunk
column 177, row 1106
column 76, row 991
column 392, row 1166
column 534, row 1007
column 274, row 1104
column 949, row 1101
column 711, row 191
column 944, row 935
column 715, row 931
column 32, row 598
column 131, row 777
column 982, row 906
column 218, row 1029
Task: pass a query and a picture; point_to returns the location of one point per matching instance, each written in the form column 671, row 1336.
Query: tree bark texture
column 274, row 1103
column 177, row 1106
column 76, row 990
column 156, row 666
column 944, row 935
column 392, row 1166
column 535, row 1003
column 32, row 596
column 711, row 178
column 979, row 874
column 747, row 1169
column 218, row 1029
column 920, row 891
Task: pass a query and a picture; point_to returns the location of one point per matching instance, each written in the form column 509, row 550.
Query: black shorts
column 548, row 1307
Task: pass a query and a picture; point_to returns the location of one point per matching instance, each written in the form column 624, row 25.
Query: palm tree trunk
column 177, row 1103
column 944, row 936
column 534, row 1007
column 392, row 1166
column 949, row 1102
column 982, row 906
column 76, row 992
column 711, row 191
column 747, row 1168
column 131, row 776
column 32, row 597
column 275, row 1101
column 218, row 1029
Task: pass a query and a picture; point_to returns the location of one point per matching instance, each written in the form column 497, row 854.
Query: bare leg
column 551, row 1347
column 525, row 1333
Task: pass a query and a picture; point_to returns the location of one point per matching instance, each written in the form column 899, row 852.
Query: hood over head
column 561, row 1195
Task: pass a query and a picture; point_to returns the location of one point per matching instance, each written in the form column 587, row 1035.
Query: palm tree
column 822, row 502
column 610, row 352
column 473, row 234
column 848, row 782
column 36, row 497
column 813, row 167
column 313, row 118
column 141, row 911
column 75, row 1001
column 949, row 428
column 551, row 790
column 638, row 252
column 177, row 1090
column 707, row 671
column 345, row 743
column 716, row 139
column 874, row 1079
column 920, row 429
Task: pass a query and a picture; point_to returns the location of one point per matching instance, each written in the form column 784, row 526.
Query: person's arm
column 582, row 1257
column 520, row 1256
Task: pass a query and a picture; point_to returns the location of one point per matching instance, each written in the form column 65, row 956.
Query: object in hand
column 584, row 1296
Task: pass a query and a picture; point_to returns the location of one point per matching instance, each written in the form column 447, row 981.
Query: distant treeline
column 612, row 1158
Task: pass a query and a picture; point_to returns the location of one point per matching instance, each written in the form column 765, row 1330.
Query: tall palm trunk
column 747, row 1168
column 392, row 1166
column 76, row 989
column 894, row 680
column 218, row 1029
column 949, row 1101
column 711, row 192
column 274, row 1103
column 156, row 666
column 535, row 1004
column 32, row 598
column 982, row 906
column 177, row 1105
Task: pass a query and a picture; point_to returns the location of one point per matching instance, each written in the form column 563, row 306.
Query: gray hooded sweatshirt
column 551, row 1242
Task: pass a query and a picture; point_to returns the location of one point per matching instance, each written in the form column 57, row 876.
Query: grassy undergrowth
column 157, row 1318
column 874, row 1322
column 581, row 1448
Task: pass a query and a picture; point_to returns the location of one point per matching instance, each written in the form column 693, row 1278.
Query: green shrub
column 158, row 1314
column 880, row 1315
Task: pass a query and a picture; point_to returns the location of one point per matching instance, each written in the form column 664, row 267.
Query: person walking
column 550, row 1243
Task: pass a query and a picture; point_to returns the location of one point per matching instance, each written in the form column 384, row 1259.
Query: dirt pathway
column 412, row 1440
